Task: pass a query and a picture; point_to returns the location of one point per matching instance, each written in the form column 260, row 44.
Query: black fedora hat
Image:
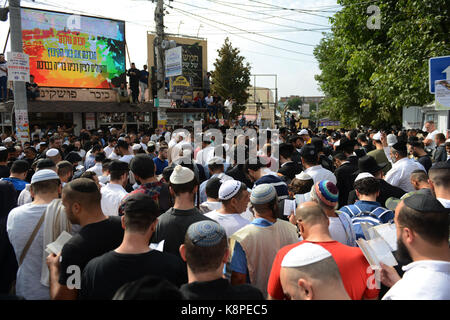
column 369, row 164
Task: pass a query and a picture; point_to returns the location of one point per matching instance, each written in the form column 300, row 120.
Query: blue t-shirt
column 160, row 165
column 379, row 215
column 19, row 185
column 239, row 260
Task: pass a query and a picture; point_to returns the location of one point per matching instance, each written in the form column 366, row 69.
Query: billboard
column 73, row 51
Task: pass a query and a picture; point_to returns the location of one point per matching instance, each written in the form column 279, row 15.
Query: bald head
column 316, row 281
column 311, row 213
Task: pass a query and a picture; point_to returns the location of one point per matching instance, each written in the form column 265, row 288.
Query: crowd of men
column 153, row 215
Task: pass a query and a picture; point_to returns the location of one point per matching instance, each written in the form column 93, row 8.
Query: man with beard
column 98, row 235
column 422, row 247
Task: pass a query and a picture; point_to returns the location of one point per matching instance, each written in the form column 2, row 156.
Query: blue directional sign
column 439, row 69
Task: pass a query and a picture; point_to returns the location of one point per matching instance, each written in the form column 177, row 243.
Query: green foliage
column 231, row 77
column 294, row 103
column 369, row 75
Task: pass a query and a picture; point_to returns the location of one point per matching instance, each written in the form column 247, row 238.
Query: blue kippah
column 206, row 233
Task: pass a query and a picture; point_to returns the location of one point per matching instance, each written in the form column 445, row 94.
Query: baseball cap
column 303, row 132
column 206, row 233
column 392, row 202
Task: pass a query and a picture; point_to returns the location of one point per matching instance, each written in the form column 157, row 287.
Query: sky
column 283, row 44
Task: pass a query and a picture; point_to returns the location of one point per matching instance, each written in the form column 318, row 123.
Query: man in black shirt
column 370, row 165
column 172, row 224
column 99, row 234
column 205, row 251
column 133, row 259
column 135, row 76
column 288, row 167
column 417, row 150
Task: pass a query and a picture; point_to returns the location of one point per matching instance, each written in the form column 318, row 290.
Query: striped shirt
column 370, row 212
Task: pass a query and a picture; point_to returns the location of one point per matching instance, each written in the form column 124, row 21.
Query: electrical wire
column 268, row 15
column 255, row 33
column 214, row 26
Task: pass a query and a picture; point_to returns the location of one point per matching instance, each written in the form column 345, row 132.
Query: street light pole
column 20, row 95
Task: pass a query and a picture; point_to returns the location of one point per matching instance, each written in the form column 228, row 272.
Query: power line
column 243, row 17
column 290, row 9
column 268, row 15
column 265, row 44
column 263, row 35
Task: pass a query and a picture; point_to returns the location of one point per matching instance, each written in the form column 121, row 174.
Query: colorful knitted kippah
column 327, row 192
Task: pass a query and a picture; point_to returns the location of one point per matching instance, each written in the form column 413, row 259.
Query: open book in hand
column 377, row 250
column 385, row 231
column 56, row 246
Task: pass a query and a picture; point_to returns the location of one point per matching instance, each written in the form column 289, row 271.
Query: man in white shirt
column 155, row 137
column 422, row 246
column 114, row 192
column 206, row 153
column 234, row 197
column 400, row 174
column 310, row 161
column 430, row 127
column 22, row 221
column 124, row 151
column 144, row 141
column 439, row 180
column 98, row 167
column 112, row 141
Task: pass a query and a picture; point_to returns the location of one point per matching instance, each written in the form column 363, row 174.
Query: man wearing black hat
column 370, row 165
column 402, row 168
column 288, row 167
column 344, row 176
column 422, row 246
column 310, row 162
column 133, row 259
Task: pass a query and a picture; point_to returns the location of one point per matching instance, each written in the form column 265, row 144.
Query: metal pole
column 159, row 21
column 20, row 95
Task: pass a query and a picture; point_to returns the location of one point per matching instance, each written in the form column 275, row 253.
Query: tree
column 368, row 75
column 231, row 77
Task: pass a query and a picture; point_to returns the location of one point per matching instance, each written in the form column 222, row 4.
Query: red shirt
column 353, row 266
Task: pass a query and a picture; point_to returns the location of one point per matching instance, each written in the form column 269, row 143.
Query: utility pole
column 20, row 95
column 159, row 21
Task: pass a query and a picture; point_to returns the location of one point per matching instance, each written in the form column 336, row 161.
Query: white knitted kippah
column 229, row 189
column 181, row 175
column 52, row 152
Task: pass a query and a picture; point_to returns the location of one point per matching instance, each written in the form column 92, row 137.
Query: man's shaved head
column 311, row 213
